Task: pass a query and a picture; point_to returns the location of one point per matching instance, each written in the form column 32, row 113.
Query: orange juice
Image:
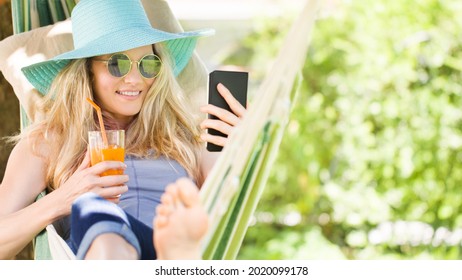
column 112, row 153
column 113, row 150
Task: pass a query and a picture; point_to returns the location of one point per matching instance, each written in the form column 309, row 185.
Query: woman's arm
column 21, row 219
column 208, row 160
column 24, row 179
column 19, row 228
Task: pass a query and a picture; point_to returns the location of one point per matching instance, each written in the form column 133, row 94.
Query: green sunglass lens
column 119, row 65
column 149, row 66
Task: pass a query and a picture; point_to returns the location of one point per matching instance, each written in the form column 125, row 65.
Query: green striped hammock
column 232, row 190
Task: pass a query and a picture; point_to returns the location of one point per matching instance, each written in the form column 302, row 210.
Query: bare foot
column 180, row 223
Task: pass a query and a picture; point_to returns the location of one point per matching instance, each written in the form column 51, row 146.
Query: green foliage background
column 370, row 165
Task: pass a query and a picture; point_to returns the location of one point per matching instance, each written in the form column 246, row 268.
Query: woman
column 128, row 68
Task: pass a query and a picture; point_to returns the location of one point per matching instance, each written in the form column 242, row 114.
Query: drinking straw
column 101, row 123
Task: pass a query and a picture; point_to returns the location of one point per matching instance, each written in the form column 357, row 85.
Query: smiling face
column 121, row 98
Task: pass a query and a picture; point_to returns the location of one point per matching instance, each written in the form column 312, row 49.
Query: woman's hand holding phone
column 227, row 105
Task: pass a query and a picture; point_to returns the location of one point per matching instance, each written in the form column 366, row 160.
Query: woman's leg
column 180, row 223
column 111, row 246
column 100, row 229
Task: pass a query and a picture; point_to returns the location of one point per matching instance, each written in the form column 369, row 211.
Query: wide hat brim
column 179, row 45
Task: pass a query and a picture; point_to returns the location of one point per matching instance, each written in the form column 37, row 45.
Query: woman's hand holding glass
column 226, row 120
column 87, row 179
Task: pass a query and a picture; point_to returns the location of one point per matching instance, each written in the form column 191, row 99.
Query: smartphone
column 237, row 83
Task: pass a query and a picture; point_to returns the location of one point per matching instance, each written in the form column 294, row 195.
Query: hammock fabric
column 234, row 187
column 231, row 192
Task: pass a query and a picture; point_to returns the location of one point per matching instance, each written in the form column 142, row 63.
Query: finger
column 114, row 200
column 112, row 191
column 103, row 166
column 235, row 106
column 213, row 139
column 111, row 180
column 221, row 114
column 85, row 162
column 217, row 125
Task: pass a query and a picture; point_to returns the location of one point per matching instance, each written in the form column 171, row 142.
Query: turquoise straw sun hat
column 102, row 27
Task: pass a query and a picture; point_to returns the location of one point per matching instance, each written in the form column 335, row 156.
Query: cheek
column 102, row 86
column 149, row 83
column 98, row 79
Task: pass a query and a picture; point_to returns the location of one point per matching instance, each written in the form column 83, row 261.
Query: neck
column 112, row 122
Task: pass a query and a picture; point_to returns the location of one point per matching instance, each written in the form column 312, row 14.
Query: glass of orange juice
column 113, row 151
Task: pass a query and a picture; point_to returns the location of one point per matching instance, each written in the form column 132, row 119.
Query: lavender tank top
column 147, row 181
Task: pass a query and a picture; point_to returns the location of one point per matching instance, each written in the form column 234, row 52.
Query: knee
column 111, row 246
column 84, row 201
column 90, row 206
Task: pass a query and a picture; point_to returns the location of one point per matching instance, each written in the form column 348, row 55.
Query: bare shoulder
column 31, row 149
column 25, row 175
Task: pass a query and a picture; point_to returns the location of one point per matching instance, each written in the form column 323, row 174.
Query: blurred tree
column 370, row 165
column 9, row 105
column 9, row 108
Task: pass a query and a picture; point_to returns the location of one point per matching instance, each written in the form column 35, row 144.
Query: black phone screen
column 236, row 82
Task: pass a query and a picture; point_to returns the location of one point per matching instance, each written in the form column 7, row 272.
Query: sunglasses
column 119, row 65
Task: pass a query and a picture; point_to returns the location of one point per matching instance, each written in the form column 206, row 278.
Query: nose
column 134, row 75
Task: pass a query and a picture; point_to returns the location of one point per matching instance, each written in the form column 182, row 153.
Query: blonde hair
column 163, row 126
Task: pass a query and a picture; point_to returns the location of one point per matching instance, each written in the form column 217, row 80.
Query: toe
column 166, row 199
column 172, row 191
column 160, row 221
column 188, row 192
column 164, row 210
